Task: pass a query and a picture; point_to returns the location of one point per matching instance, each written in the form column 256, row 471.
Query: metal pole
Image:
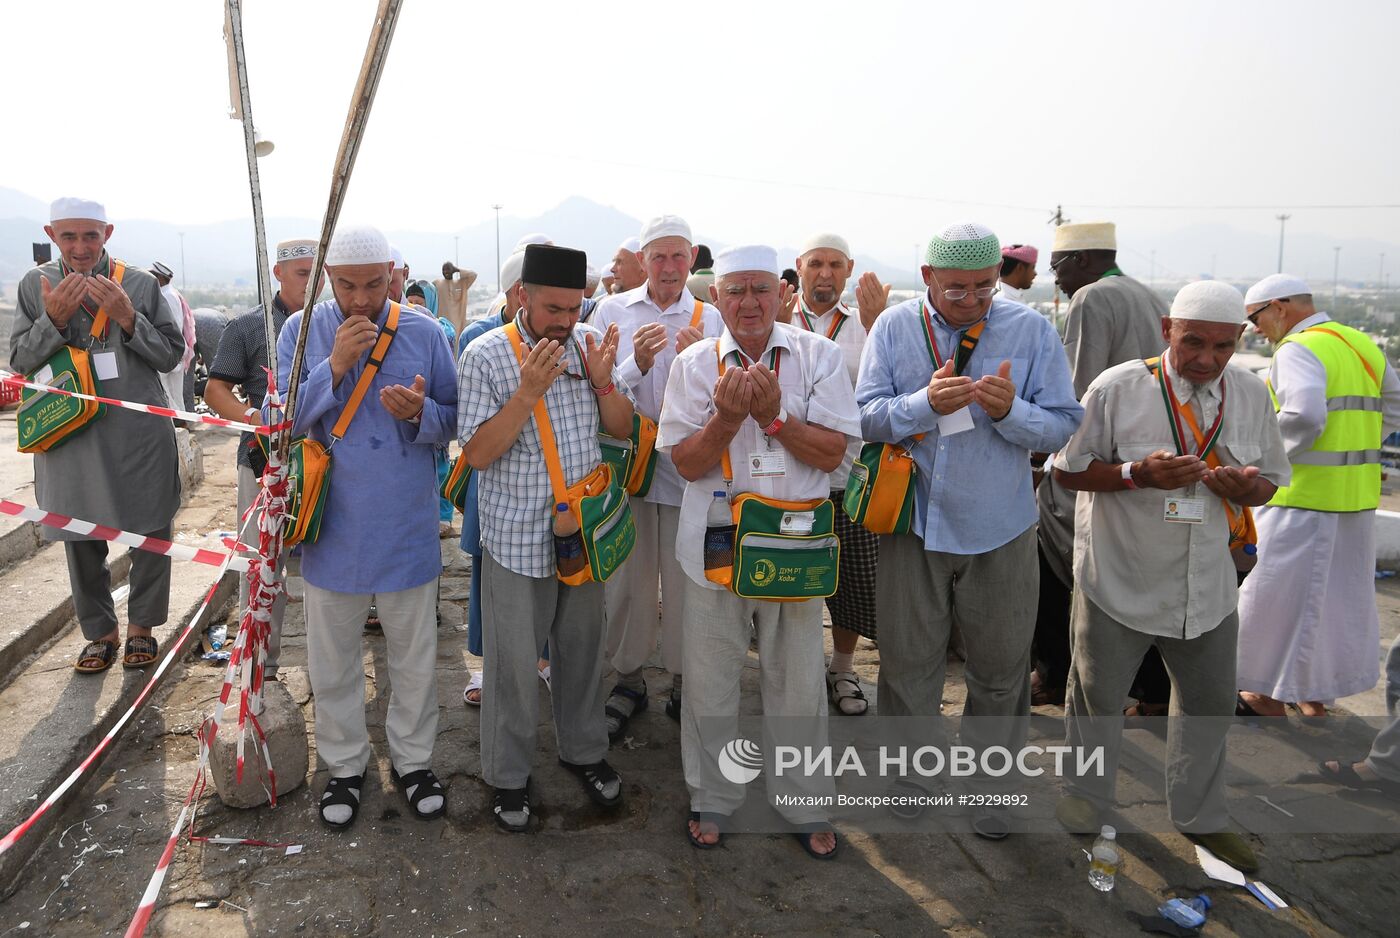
column 360, row 102
column 1282, row 220
column 1336, row 266
column 497, row 207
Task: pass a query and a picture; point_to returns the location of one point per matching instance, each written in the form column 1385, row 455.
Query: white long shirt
column 631, row 310
column 850, row 338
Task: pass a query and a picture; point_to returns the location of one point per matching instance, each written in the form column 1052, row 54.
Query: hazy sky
column 761, row 121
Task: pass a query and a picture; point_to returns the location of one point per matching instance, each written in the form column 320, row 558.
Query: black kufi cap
column 548, row 265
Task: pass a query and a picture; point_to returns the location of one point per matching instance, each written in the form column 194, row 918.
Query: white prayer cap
column 70, row 207
column 591, row 275
column 631, row 245
column 295, row 249
column 1277, row 287
column 665, row 226
column 606, row 273
column 1209, row 301
column 532, row 238
column 1085, row 236
column 511, row 269
column 743, row 257
column 399, row 263
column 826, row 239
column 359, row 245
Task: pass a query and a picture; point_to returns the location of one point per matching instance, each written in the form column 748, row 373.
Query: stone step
column 36, row 603
column 51, row 717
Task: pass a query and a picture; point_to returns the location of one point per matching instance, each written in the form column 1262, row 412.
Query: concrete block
column 191, row 463
column 285, row 726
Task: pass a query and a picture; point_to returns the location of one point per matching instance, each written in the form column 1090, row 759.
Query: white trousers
column 335, row 624
column 630, row 596
column 792, row 666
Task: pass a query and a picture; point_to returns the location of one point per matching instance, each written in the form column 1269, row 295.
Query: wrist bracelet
column 1128, row 475
column 606, row 390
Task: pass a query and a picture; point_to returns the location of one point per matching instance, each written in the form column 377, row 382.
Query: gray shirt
column 122, row 470
column 1155, row 576
column 1113, row 320
column 242, row 360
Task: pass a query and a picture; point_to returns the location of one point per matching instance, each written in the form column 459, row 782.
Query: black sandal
column 706, row 817
column 419, row 785
column 512, row 801
column 140, row 650
column 595, row 778
column 1348, row 777
column 342, row 791
column 96, row 657
column 804, row 837
column 372, row 623
column 639, row 705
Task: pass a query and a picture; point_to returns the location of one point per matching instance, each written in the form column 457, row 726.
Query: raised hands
column 112, row 299
column 1231, row 482
column 1162, row 470
column 544, row 363
column 872, row 297
column 767, row 400
column 62, row 301
column 995, row 392
column 355, row 336
column 401, row 402
column 647, row 341
column 947, row 392
column 734, row 397
column 602, row 356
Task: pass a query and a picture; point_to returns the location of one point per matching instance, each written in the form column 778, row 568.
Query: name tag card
column 958, row 421
column 768, row 463
column 1184, row 510
column 105, row 364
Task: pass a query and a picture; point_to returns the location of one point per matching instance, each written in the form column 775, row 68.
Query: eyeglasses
column 1254, row 316
column 1055, row 266
column 953, row 296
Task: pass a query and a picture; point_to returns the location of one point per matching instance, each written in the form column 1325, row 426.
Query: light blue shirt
column 974, row 488
column 379, row 533
column 471, row 517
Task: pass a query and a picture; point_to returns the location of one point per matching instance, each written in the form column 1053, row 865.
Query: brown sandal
column 141, row 650
column 96, row 657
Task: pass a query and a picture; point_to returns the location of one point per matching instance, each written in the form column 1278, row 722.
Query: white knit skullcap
column 665, row 226
column 741, row 257
column 511, row 269
column 70, row 207
column 631, row 245
column 1209, row 301
column 1277, row 287
column 826, row 239
column 532, row 238
column 360, row 245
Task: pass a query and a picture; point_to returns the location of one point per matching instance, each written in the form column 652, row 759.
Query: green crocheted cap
column 964, row 246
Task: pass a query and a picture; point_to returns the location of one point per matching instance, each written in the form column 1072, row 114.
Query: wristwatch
column 773, row 428
column 1128, row 475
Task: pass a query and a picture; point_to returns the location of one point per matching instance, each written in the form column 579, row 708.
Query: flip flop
column 140, row 650
column 804, row 837
column 1348, row 777
column 706, row 817
column 473, row 684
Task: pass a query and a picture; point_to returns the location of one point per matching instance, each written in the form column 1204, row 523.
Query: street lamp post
column 498, row 208
column 1282, row 220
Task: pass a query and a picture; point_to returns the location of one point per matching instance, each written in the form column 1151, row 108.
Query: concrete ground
column 586, row 872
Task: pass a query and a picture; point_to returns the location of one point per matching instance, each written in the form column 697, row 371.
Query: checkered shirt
column 513, row 493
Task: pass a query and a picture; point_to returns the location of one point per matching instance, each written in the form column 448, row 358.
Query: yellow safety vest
column 1342, row 469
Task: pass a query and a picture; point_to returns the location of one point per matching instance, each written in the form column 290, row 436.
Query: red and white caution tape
column 154, row 545
column 15, row 380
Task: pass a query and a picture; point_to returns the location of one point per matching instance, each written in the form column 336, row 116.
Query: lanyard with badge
column 1189, row 509
column 838, row 319
column 959, row 420
column 767, row 463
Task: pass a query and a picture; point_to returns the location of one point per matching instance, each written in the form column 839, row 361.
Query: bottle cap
column 1108, row 833
column 1250, row 550
column 719, row 493
column 562, row 506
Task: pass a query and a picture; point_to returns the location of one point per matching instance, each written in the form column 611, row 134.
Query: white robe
column 1308, row 622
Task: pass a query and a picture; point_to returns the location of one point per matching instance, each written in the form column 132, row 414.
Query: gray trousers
column 1106, row 657
column 630, row 595
column 791, row 665
column 91, row 581
column 247, row 491
column 1384, row 758
column 992, row 597
column 335, row 626
column 520, row 614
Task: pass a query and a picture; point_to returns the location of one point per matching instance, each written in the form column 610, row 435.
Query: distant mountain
column 222, row 253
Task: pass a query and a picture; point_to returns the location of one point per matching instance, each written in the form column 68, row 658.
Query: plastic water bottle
column 1103, row 862
column 1188, row 913
column 719, row 533
column 568, row 541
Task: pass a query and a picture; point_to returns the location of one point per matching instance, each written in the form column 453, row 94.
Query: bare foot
column 1312, row 708
column 707, row 832
column 1360, row 768
column 474, row 695
column 1264, row 705
column 823, row 842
